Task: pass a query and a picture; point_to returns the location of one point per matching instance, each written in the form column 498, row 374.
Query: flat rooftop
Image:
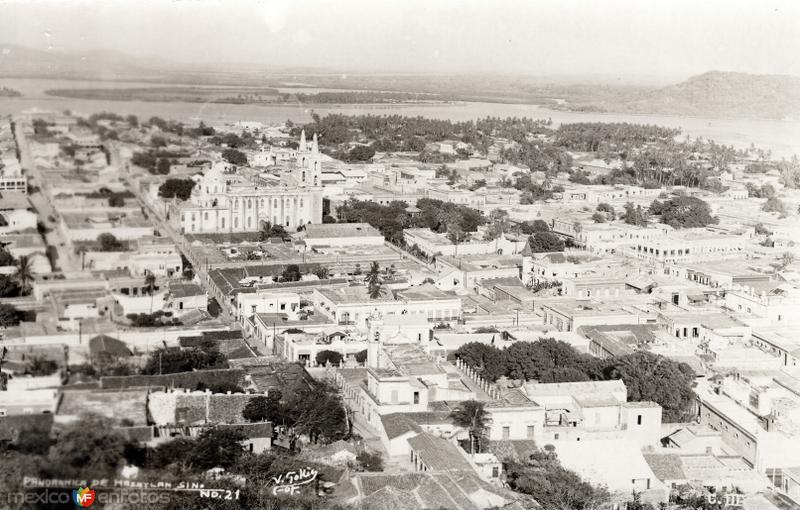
column 329, row 230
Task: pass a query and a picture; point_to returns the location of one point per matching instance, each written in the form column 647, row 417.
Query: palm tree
column 472, row 415
column 150, row 286
column 265, row 232
column 24, row 274
column 374, row 280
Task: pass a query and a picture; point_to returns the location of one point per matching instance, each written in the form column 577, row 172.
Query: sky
column 621, row 39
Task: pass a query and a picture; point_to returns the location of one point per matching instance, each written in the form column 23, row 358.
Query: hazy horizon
column 616, row 40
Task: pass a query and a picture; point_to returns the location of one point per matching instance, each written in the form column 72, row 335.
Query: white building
column 249, row 304
column 225, row 202
column 352, row 306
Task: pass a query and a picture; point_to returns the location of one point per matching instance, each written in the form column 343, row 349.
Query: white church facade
column 224, row 201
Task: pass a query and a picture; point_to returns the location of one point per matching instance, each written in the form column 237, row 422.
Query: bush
column 774, row 204
column 116, row 201
column 108, row 242
column 40, row 366
column 162, row 167
column 156, row 319
column 370, row 461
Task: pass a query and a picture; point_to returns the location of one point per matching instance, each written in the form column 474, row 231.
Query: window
column 530, row 431
column 416, row 397
column 394, row 397
column 555, row 436
column 639, row 420
column 506, row 432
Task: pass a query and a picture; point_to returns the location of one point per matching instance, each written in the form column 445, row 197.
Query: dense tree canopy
column 89, row 447
column 235, row 157
column 542, row 242
column 217, row 447
column 168, row 361
column 391, row 219
column 531, row 227
column 108, row 242
column 267, row 408
column 554, row 487
column 291, row 273
column 683, row 212
column 635, row 215
column 486, row 359
column 180, row 188
column 648, row 377
column 325, row 356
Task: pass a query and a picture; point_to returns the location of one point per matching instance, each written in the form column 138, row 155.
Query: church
column 225, row 200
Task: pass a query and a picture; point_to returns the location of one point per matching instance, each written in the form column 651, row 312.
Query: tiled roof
column 397, row 424
column 438, row 454
column 189, row 380
column 104, row 344
column 180, row 290
column 390, row 498
column 463, row 490
column 517, row 451
column 666, row 466
column 281, row 375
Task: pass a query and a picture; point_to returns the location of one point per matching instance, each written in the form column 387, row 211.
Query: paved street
column 67, row 259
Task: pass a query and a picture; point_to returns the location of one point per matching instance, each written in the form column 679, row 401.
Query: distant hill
column 22, row 62
column 714, row 94
column 18, row 61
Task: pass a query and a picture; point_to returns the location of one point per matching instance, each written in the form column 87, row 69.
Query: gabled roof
column 666, row 466
column 438, row 454
column 397, row 424
column 107, row 345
